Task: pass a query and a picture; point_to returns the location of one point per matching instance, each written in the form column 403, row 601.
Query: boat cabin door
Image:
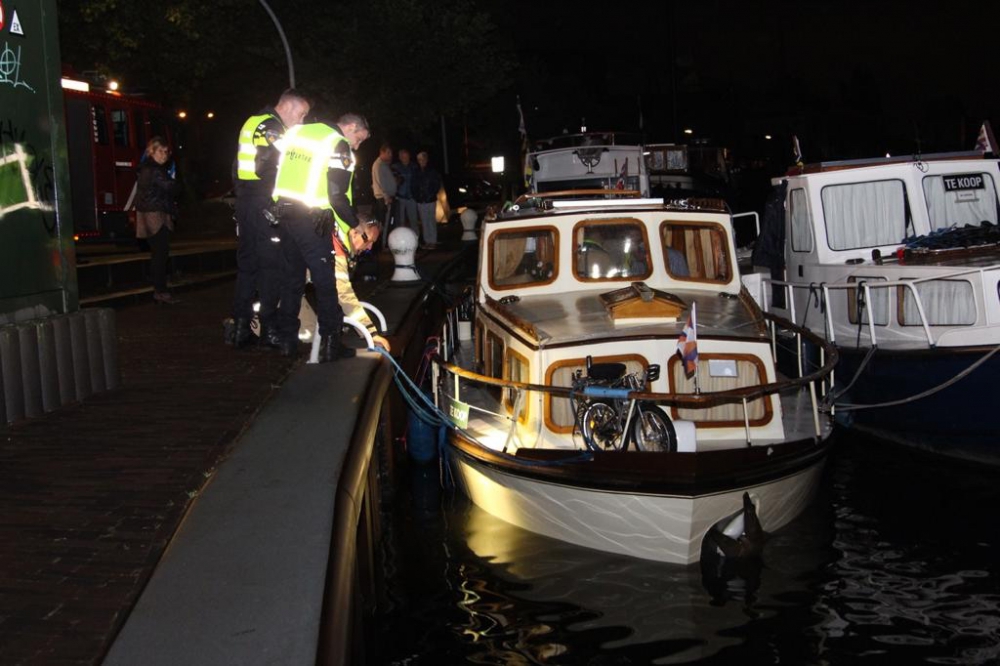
column 800, row 244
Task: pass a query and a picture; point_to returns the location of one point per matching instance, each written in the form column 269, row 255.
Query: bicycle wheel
column 601, row 428
column 652, row 430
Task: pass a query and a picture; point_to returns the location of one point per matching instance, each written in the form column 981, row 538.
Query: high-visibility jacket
column 252, row 136
column 307, row 152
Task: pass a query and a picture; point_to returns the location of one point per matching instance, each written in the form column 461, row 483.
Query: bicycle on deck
column 609, row 420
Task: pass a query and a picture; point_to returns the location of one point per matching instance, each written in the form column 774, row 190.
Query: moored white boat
column 897, row 262
column 615, row 279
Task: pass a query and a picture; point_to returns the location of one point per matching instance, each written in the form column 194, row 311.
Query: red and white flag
column 622, row 176
column 985, row 143
column 687, row 343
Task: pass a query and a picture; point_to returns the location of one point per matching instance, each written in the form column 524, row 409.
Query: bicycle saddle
column 607, row 372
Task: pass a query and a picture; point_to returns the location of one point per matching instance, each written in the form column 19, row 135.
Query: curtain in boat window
column 748, row 374
column 945, row 302
column 523, row 257
column 696, row 251
column 879, row 300
column 961, row 207
column 801, row 221
column 864, row 214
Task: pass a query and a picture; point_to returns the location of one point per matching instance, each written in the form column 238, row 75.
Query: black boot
column 241, row 333
column 270, row 338
column 289, row 347
column 332, row 349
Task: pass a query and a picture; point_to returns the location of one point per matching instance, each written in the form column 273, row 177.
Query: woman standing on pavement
column 155, row 212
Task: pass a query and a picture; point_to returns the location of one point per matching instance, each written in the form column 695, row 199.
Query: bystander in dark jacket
column 426, row 185
column 156, row 209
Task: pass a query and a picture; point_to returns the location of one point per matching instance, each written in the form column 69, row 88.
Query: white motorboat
column 897, row 262
column 574, row 416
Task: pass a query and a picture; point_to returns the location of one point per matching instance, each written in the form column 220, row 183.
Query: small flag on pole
column 622, row 176
column 526, row 169
column 687, row 343
column 985, row 142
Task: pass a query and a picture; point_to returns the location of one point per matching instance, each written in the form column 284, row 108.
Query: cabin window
column 697, row 251
column 119, row 124
column 856, row 310
column 523, row 257
column 140, row 128
column 478, row 349
column 957, row 200
column 749, row 372
column 611, row 249
column 945, row 303
column 493, row 362
column 494, row 355
column 558, row 413
column 100, row 124
column 862, row 215
column 516, row 370
column 801, row 221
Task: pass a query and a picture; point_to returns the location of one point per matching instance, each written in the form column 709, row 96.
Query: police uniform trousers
column 302, row 248
column 258, row 258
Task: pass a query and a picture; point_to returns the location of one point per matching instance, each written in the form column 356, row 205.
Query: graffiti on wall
column 26, row 178
column 10, row 67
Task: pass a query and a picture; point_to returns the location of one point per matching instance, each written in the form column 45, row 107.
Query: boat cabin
column 920, row 233
column 616, row 279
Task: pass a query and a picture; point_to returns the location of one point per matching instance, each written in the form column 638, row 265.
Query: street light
column 689, row 131
column 182, row 114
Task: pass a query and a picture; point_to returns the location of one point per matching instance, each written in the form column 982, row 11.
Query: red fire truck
column 106, row 134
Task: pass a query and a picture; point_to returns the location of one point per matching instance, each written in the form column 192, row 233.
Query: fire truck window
column 100, row 125
column 119, row 120
column 140, row 137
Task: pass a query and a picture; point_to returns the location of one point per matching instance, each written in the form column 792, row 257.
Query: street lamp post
column 281, row 33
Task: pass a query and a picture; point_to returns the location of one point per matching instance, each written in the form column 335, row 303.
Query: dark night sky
column 850, row 78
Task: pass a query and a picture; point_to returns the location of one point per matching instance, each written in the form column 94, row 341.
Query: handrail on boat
column 556, row 194
column 979, row 296
column 705, row 399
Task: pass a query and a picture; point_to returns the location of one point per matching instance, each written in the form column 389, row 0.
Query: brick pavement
column 90, row 495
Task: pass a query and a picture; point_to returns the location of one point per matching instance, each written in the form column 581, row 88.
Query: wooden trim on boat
column 556, row 194
column 526, row 327
column 691, row 400
column 651, row 473
column 675, row 360
column 558, row 365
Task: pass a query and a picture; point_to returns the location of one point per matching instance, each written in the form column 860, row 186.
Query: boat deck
column 579, row 316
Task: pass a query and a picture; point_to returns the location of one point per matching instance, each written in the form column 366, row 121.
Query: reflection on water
column 897, row 559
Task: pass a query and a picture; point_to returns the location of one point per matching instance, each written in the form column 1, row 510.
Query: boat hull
column 664, row 524
column 958, row 421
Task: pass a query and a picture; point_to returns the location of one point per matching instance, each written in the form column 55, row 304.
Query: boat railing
column 821, row 377
column 866, row 286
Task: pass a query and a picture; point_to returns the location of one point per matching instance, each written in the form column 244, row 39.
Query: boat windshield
column 611, row 249
column 957, row 200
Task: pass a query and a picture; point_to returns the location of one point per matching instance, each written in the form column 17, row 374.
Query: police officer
column 313, row 196
column 258, row 254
